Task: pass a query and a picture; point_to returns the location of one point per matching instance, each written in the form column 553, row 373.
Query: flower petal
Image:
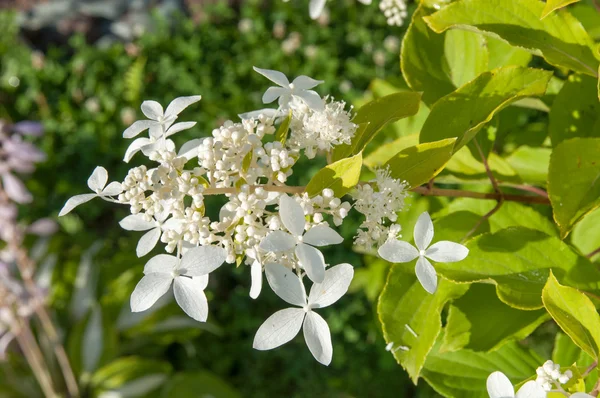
column 316, row 8
column 423, row 231
column 134, row 148
column 311, row 259
column 202, row 260
column 15, row 189
column 177, row 127
column 397, row 251
column 189, row 150
column 498, row 386
column 334, row 286
column 318, row 337
column 447, row 252
column 136, row 222
column 152, row 109
column 149, row 289
column 278, row 241
column 322, row 235
column 76, row 201
column 161, row 263
column 274, row 76
column 179, row 104
column 137, row 127
column 147, row 242
column 189, row 294
column 112, row 189
column 272, row 94
column 278, row 329
column 256, row 276
column 292, row 215
column 268, row 112
column 312, row 99
column 531, row 389
column 98, row 179
column 286, row 284
column 426, row 275
column 305, row 83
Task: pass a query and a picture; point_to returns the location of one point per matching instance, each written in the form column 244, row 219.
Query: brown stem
column 596, row 389
column 482, row 219
column 34, row 357
column 528, row 188
column 457, row 193
column 589, row 369
column 488, row 170
column 592, row 254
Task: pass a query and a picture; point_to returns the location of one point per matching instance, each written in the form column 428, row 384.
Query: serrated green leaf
column 420, row 163
column 375, row 115
column 340, row 176
column 586, row 234
column 575, row 313
column 553, row 5
column 282, row 132
column 531, row 164
column 385, row 152
column 559, row 38
column 466, row 167
column 518, row 260
column 467, row 55
column 463, row 112
column 503, row 54
column 574, row 181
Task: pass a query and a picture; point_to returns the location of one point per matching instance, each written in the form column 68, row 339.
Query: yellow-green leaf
column 340, row 176
column 553, row 5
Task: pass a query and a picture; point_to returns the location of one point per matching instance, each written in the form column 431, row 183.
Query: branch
column 592, row 254
column 457, row 193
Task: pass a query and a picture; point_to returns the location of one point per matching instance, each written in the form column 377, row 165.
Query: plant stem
column 592, row 254
column 590, row 369
column 35, row 359
column 482, row 219
column 528, row 188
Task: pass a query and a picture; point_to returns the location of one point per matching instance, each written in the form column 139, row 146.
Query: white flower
column 284, row 325
column 549, row 373
column 315, row 8
column 310, row 258
column 188, row 275
column 97, row 183
column 137, row 222
column 397, row 251
column 499, row 386
column 256, row 270
column 300, row 87
column 394, row 11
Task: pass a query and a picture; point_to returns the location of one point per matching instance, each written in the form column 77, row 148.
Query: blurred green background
column 86, row 88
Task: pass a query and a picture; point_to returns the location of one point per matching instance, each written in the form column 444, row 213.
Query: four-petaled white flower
column 137, row 222
column 300, row 87
column 284, row 325
column 499, row 386
column 397, row 251
column 309, row 257
column 97, row 183
column 189, row 276
column 160, row 125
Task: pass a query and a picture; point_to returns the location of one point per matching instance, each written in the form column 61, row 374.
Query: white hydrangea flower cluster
column 549, row 374
column 394, row 10
column 380, row 203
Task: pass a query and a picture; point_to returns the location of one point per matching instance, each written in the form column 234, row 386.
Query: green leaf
column 405, row 302
column 466, row 167
column 477, row 329
column 422, row 60
column 575, row 313
column 574, row 180
column 586, row 234
column 575, row 110
column 503, row 54
column 282, row 132
column 518, row 260
column 375, row 115
column 247, row 161
column 420, row 163
column 198, row 384
column 340, row 176
column 564, row 351
column 467, row 55
column 124, row 370
column 552, row 5
column 463, row 374
column 464, row 112
column 531, row 164
column 559, row 38
column 385, row 152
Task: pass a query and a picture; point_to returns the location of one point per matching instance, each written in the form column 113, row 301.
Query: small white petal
column 190, row 149
column 189, row 294
column 179, row 104
column 316, row 8
column 286, row 284
column 334, row 286
column 112, row 189
column 322, row 235
column 149, row 289
column 147, row 242
column 312, row 99
column 498, row 386
column 272, row 94
column 76, row 201
column 311, row 259
column 274, row 76
column 397, row 251
column 278, row 329
column 161, row 263
column 318, row 337
column 256, row 276
column 426, row 275
column 531, row 389
column 447, row 252
column 15, row 189
column 292, row 215
column 98, row 179
column 278, row 241
column 423, row 231
column 136, row 222
column 135, row 147
column 137, row 127
column 152, row 109
column 202, row 260
column 177, row 127
column 268, row 112
column 306, row 83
